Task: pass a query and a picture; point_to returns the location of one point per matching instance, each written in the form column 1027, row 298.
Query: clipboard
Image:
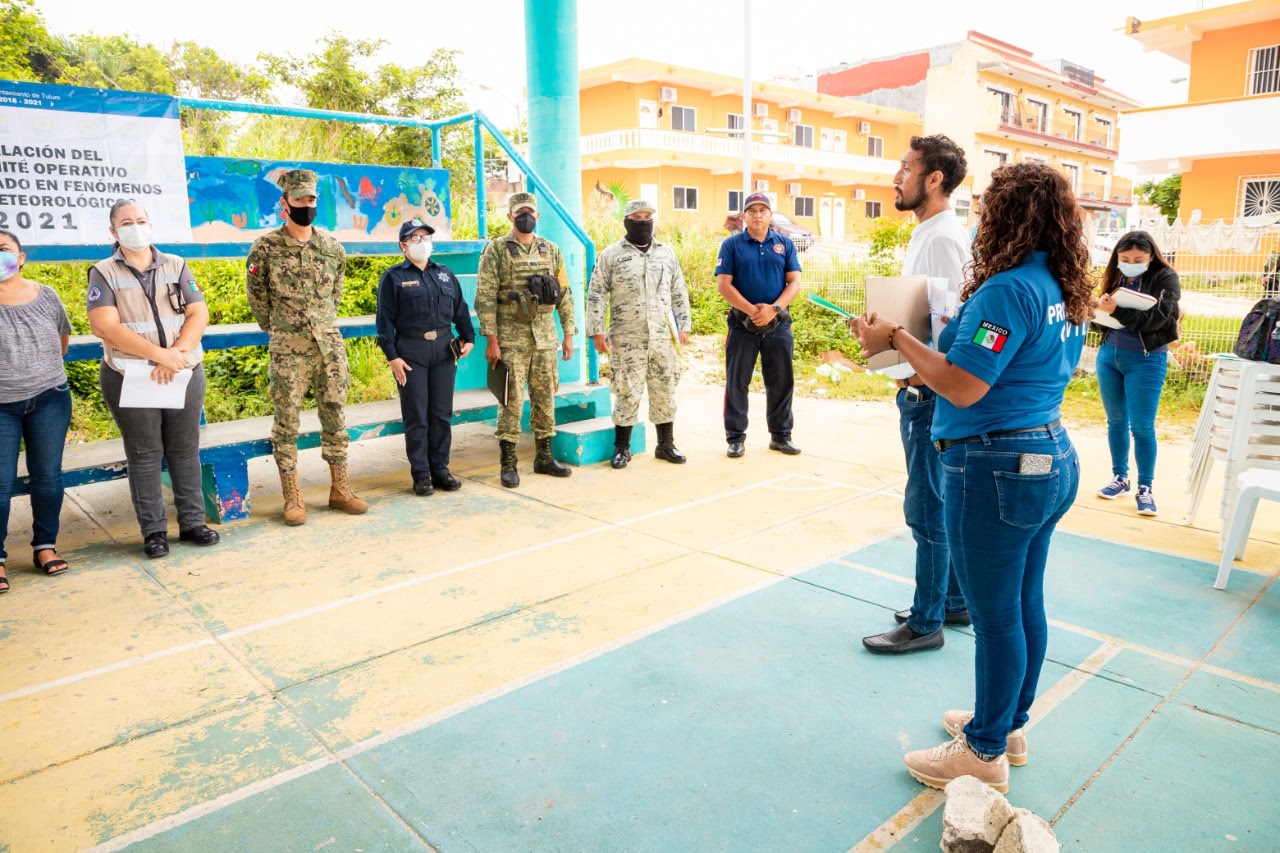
column 498, row 380
column 902, row 299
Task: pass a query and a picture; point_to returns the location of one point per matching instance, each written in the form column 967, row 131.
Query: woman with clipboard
column 1138, row 318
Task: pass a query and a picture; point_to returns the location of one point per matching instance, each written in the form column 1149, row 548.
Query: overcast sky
column 790, row 37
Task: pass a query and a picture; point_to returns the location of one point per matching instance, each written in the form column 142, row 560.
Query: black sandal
column 56, row 566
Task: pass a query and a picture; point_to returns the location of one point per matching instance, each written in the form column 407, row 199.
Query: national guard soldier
column 520, row 285
column 294, row 286
column 639, row 282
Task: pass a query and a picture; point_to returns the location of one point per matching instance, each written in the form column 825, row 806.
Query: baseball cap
column 757, row 198
column 520, row 200
column 407, row 228
column 637, row 206
column 298, row 183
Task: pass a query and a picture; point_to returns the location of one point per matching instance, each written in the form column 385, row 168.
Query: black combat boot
column 545, row 463
column 510, row 476
column 666, row 448
column 621, row 446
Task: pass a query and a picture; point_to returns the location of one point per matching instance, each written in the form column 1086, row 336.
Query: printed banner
column 67, row 154
column 235, row 201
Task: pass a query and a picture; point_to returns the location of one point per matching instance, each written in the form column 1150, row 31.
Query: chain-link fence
column 1224, row 269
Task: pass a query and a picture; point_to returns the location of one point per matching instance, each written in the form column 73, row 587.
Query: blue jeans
column 936, row 584
column 999, row 523
column 41, row 421
column 1130, row 383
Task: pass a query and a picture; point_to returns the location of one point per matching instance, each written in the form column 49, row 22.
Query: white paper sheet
column 902, row 370
column 140, row 391
column 944, row 301
column 1104, row 319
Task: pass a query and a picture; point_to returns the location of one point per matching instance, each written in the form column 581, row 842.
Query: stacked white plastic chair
column 1239, row 426
column 1254, row 486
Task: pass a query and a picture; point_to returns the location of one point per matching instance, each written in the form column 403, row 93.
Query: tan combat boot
column 340, row 494
column 295, row 512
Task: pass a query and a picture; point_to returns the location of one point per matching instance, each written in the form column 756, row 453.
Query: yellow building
column 1001, row 105
column 673, row 135
column 1225, row 141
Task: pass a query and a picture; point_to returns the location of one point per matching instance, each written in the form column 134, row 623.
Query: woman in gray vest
column 35, row 403
column 145, row 306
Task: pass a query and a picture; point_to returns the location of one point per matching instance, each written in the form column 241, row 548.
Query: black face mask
column 525, row 223
column 639, row 231
column 303, row 216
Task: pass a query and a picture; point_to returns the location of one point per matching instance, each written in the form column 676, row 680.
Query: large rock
column 974, row 817
column 1027, row 833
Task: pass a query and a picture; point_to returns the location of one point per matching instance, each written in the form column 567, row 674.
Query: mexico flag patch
column 991, row 336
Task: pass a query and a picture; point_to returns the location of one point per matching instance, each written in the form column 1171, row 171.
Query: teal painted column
column 551, row 61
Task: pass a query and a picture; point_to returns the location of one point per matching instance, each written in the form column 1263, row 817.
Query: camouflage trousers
column 298, row 364
column 641, row 364
column 538, row 369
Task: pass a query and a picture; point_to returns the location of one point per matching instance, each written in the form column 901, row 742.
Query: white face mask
column 135, row 237
column 419, row 252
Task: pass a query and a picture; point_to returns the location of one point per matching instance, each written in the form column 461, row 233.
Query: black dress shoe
column 902, row 640
column 156, row 545
column 202, row 535
column 621, row 456
column 785, row 446
column 959, row 617
column 423, row 488
column 735, row 449
column 446, row 482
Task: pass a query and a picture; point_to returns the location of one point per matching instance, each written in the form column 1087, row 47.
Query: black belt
column 428, row 334
column 943, row 443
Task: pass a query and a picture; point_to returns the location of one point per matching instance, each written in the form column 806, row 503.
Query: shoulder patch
column 991, row 336
column 95, row 293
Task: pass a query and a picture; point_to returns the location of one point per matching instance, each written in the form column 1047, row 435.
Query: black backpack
column 1260, row 333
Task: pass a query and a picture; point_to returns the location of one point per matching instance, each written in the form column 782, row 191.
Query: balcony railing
column 1100, row 191
column 708, row 146
column 1086, row 132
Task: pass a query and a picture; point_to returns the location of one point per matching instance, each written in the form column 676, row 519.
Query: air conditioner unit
column 762, row 186
column 859, row 195
column 667, row 94
column 760, row 110
column 864, row 127
column 793, row 188
column 793, row 116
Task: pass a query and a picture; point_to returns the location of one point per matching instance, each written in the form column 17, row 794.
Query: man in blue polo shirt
column 758, row 273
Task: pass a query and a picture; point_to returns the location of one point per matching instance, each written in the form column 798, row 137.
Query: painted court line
column 413, row 726
column 378, row 591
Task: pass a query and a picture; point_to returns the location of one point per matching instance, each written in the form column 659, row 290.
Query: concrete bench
column 587, row 442
column 226, row 448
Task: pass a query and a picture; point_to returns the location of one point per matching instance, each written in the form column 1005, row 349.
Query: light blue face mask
column 1131, row 270
column 8, row 265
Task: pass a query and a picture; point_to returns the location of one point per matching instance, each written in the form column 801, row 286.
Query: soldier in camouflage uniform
column 522, row 332
column 295, row 277
column 639, row 283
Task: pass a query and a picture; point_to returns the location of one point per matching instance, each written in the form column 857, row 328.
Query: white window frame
column 692, row 110
column 796, row 129
column 684, row 198
column 879, row 209
column 1041, row 114
column 1078, row 136
column 1035, row 158
column 1072, row 164
column 1003, row 153
column 1008, row 104
column 796, row 200
column 735, row 132
column 1265, row 82
column 1245, row 180
column 1111, row 128
column 877, row 143
column 738, row 207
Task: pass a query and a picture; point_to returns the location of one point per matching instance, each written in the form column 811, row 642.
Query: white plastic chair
column 1253, row 486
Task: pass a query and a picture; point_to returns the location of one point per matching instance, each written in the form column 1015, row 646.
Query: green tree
column 116, row 62
column 1165, row 195
column 200, row 72
column 27, row 50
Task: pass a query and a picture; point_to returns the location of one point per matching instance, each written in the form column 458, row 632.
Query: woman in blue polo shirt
column 1009, row 470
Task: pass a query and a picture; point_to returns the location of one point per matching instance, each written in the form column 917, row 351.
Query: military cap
column 757, row 198
column 520, row 200
column 638, row 205
column 298, row 183
column 411, row 225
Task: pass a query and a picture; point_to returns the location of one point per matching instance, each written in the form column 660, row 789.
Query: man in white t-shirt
column 931, row 169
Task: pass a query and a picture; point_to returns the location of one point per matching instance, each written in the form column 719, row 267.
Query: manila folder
column 901, row 299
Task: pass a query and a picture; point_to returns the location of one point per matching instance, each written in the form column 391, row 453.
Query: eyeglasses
column 418, row 238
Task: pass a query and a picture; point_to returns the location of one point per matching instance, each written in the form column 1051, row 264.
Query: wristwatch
column 779, row 308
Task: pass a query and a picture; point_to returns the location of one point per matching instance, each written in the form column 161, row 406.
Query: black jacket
column 1159, row 325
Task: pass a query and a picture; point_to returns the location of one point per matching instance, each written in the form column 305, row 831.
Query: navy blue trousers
column 774, row 352
column 426, row 404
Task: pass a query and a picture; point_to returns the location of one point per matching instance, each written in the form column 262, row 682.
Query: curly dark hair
column 1028, row 207
column 940, row 154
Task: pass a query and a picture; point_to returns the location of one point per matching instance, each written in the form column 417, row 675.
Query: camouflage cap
column 298, row 183
column 520, row 200
column 638, row 205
